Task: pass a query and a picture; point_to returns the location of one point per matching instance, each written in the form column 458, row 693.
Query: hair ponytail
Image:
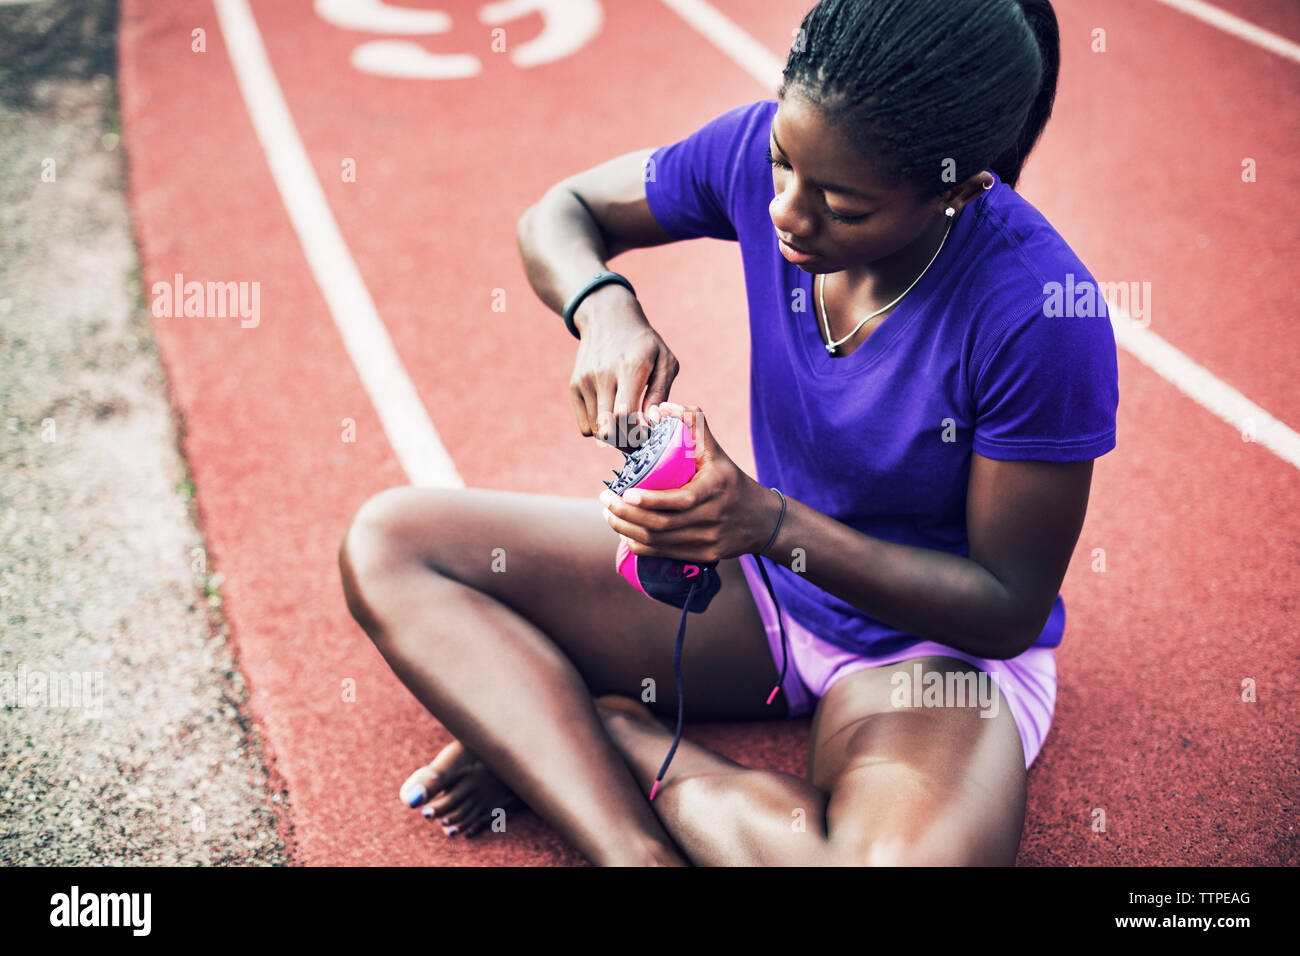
column 932, row 90
column 1041, row 19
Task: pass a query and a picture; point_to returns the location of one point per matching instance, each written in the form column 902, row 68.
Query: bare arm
column 580, row 223
column 1023, row 521
column 565, row 238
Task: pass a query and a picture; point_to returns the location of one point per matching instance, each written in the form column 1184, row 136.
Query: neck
column 885, row 279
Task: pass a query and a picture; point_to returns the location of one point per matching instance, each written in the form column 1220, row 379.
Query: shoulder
column 1025, row 282
column 727, row 134
column 731, row 143
column 1043, row 368
column 703, row 184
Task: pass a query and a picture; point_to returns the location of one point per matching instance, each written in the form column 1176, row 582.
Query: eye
column 838, row 218
column 773, row 161
column 834, row 216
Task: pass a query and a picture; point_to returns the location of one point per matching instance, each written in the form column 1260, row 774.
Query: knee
column 372, row 545
column 891, row 850
column 371, row 534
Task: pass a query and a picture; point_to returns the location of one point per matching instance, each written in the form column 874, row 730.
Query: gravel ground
column 125, row 736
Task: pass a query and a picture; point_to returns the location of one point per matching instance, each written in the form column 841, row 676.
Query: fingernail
column 414, row 794
column 632, row 496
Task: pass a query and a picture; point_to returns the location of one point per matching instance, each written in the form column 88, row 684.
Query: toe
column 442, row 772
column 423, row 784
column 467, row 812
column 453, row 798
column 415, row 791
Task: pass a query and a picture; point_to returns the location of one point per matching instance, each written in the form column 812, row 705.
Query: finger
column 658, row 542
column 626, row 417
column 626, row 529
column 699, row 442
column 686, row 549
column 590, row 391
column 674, row 499
column 604, row 406
column 684, row 542
column 657, row 521
column 661, row 379
column 580, row 410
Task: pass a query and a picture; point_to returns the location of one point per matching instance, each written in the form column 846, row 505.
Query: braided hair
column 937, row 90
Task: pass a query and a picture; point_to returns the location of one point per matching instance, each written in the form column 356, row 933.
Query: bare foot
column 459, row 791
column 462, row 794
column 616, row 703
column 635, row 730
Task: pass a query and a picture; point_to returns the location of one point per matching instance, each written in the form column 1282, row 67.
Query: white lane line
column 405, row 421
column 1231, row 23
column 1202, row 387
column 750, row 55
column 1148, row 348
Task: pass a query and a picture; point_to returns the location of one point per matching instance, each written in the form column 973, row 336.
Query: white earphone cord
column 832, row 346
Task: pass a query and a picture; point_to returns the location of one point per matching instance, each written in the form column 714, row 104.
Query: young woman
column 929, row 422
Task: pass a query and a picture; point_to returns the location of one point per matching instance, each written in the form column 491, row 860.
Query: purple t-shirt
column 971, row 359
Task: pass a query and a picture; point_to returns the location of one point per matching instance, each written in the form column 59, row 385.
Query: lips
column 806, row 252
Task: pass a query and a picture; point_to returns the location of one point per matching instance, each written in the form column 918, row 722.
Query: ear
column 965, row 192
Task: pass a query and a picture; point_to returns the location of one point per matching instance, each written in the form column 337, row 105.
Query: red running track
column 1139, row 169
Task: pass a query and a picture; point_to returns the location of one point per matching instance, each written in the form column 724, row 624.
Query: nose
column 787, row 217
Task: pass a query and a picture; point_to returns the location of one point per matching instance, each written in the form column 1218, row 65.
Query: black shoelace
column 677, row 667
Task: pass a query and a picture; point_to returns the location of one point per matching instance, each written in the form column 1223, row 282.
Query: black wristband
column 597, row 281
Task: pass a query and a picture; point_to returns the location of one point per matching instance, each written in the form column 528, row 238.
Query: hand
column 619, row 357
column 720, row 513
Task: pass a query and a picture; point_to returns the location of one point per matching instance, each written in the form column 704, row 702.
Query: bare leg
column 502, row 614
column 889, row 786
column 719, row 812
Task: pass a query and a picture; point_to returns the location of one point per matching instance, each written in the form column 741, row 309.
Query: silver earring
column 988, row 185
column 950, row 212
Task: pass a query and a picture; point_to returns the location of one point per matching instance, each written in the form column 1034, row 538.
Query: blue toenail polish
column 453, row 831
column 444, row 822
column 414, row 794
column 427, row 811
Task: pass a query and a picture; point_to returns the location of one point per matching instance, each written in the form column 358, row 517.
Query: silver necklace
column 832, row 346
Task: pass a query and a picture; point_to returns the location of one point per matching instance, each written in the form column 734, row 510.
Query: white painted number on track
column 567, row 26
